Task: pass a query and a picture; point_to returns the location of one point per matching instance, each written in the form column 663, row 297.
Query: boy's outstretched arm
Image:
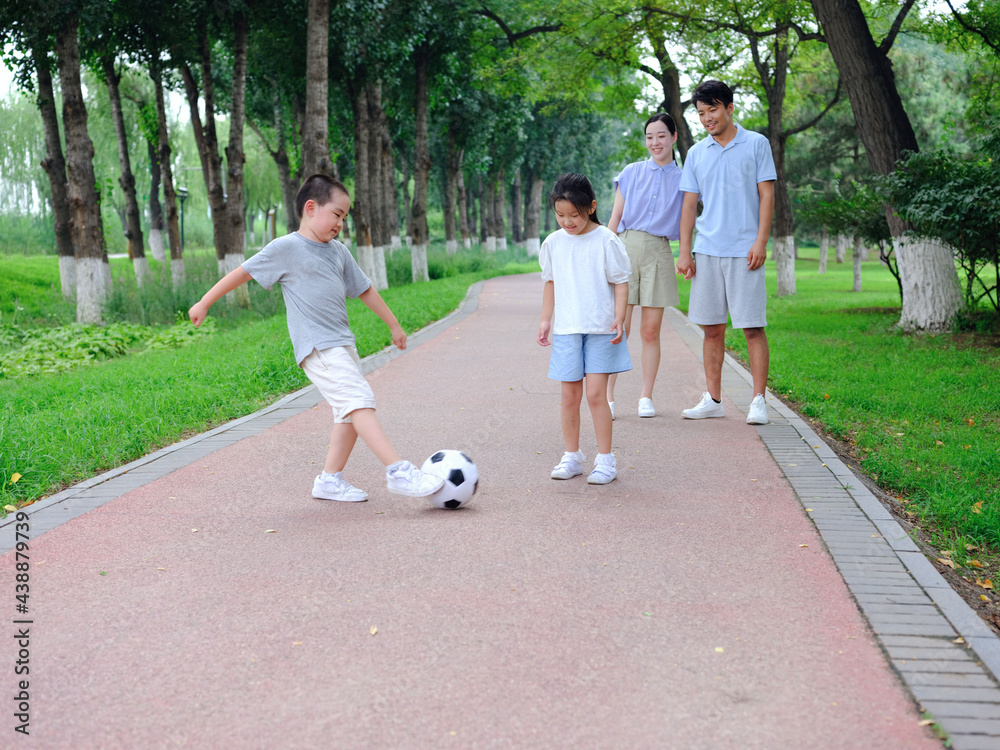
column 374, row 302
column 232, row 280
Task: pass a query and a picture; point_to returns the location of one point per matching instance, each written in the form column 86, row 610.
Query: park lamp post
column 182, row 193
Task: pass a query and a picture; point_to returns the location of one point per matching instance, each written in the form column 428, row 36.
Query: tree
column 315, row 126
column 931, row 296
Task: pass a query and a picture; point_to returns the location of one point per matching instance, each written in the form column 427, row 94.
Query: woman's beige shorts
column 653, row 282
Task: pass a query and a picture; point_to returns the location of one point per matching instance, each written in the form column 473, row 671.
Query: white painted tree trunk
column 67, row 276
column 864, row 253
column 491, row 244
column 91, row 289
column 366, row 260
column 467, row 243
column 241, row 295
column 931, row 292
column 857, row 253
column 346, row 242
column 156, row 244
column 841, row 247
column 177, row 273
column 141, row 268
column 381, row 278
column 824, row 250
column 418, row 263
column 533, row 245
column 784, row 260
column 395, row 242
column 451, row 246
column 501, row 243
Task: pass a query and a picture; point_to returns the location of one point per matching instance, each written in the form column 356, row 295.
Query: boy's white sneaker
column 570, row 466
column 403, row 478
column 335, row 487
column 646, row 407
column 605, row 469
column 757, row 413
column 706, row 408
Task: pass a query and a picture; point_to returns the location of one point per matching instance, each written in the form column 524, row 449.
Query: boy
column 733, row 172
column 317, row 275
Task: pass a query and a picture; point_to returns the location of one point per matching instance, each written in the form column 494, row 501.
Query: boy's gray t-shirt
column 316, row 280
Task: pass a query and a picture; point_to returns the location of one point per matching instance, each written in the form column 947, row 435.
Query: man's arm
column 374, row 302
column 232, row 280
column 758, row 251
column 689, row 213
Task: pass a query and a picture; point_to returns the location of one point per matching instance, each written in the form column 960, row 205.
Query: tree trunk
column 93, row 275
column 133, row 230
column 485, row 201
column 928, row 298
column 516, row 201
column 500, row 209
column 389, row 189
column 856, row 260
column 927, row 265
column 463, row 205
column 316, row 126
column 533, row 213
column 156, row 225
column 672, row 99
column 824, row 250
column 169, row 193
column 55, row 167
column 361, row 208
column 774, row 78
column 235, row 251
column 841, row 251
column 379, row 132
column 421, row 165
column 453, row 171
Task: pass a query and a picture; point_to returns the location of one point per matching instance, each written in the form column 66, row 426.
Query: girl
column 647, row 215
column 585, row 270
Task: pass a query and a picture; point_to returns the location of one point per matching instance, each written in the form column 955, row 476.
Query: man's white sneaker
column 335, row 487
column 570, row 466
column 758, row 410
column 646, row 407
column 403, row 478
column 605, row 469
column 705, row 408
column 612, row 405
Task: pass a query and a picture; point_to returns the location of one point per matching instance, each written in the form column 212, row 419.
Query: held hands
column 757, row 255
column 543, row 333
column 685, row 266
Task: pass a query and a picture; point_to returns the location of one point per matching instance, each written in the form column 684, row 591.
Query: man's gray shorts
column 722, row 286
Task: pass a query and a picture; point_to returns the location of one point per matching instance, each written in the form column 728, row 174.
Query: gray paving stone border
column 942, row 651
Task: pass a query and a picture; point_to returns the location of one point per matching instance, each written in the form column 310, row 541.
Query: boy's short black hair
column 712, row 92
column 319, row 188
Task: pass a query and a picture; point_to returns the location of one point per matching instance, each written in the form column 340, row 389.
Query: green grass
column 56, row 430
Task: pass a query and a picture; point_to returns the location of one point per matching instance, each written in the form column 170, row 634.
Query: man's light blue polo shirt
column 652, row 198
column 727, row 180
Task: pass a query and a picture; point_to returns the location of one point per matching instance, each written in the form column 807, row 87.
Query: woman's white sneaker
column 706, row 408
column 646, row 407
column 757, row 413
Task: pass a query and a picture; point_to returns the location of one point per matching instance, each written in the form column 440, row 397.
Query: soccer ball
column 460, row 475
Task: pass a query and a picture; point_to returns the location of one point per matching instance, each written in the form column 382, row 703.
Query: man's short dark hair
column 318, row 188
column 712, row 92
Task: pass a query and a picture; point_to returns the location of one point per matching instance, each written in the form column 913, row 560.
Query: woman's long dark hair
column 577, row 190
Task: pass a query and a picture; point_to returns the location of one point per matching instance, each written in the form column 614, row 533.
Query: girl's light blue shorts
column 576, row 354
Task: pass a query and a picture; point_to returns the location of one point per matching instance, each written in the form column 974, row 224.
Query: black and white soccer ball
column 460, row 475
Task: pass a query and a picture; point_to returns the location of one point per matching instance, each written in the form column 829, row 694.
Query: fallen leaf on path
column 161, row 568
column 987, row 584
column 971, row 548
column 803, row 545
column 925, row 722
column 194, row 529
column 9, row 508
column 296, row 643
column 975, row 563
column 945, row 561
column 809, row 510
column 984, row 598
column 719, row 649
column 270, row 531
column 960, row 639
column 648, row 614
column 373, row 630
column 946, row 552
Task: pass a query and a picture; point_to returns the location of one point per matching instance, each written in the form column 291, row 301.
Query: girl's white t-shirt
column 584, row 269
